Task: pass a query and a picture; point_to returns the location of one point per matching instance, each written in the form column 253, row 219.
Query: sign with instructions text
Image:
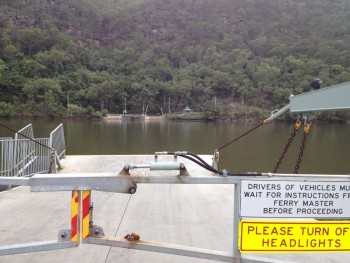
column 256, row 236
column 294, row 199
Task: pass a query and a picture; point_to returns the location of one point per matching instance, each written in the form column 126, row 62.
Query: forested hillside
column 83, row 57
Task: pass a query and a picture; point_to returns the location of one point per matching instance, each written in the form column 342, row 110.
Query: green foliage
column 96, row 54
column 104, row 112
column 211, row 111
column 7, row 110
column 244, row 112
column 75, row 110
column 187, row 117
column 31, row 68
column 90, row 111
column 97, row 114
column 52, row 107
column 54, row 61
column 37, row 90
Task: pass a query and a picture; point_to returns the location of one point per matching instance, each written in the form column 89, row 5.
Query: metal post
column 169, row 106
column 80, row 221
column 236, row 219
column 85, row 213
column 75, row 227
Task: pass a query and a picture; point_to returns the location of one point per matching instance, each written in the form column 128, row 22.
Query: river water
column 327, row 150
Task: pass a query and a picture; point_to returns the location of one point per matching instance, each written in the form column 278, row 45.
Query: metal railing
column 57, row 141
column 6, row 156
column 25, row 155
column 26, row 131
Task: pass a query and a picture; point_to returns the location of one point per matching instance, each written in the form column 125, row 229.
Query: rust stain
column 132, row 237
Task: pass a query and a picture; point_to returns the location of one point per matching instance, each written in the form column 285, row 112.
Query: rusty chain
column 302, row 147
column 290, row 140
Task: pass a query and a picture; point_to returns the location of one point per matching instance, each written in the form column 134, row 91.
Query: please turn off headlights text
column 293, row 236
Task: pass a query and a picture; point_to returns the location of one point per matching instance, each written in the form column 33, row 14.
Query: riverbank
column 177, row 117
column 238, row 117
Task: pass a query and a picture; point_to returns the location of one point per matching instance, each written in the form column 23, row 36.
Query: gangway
column 25, row 155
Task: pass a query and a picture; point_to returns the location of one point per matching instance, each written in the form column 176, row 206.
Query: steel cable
column 25, row 136
column 247, row 132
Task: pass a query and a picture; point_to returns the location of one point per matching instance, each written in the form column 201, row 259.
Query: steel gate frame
column 125, row 183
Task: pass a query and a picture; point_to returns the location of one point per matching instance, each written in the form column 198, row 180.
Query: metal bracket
column 216, row 156
column 96, row 231
column 64, row 235
column 183, row 171
column 125, row 171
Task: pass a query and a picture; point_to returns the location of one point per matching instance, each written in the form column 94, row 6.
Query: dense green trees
column 78, row 57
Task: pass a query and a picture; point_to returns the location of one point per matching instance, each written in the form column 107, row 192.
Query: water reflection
column 327, row 149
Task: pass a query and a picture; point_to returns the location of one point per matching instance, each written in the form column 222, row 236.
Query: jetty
column 112, row 117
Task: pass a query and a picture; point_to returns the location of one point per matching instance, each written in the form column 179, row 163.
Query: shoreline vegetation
column 193, row 117
column 228, row 60
column 202, row 118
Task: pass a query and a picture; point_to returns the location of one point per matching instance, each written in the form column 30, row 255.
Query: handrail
column 23, row 157
column 26, row 155
column 57, row 141
column 27, row 131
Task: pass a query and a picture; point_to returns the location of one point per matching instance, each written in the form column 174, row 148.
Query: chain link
column 301, row 153
column 302, row 148
column 285, row 150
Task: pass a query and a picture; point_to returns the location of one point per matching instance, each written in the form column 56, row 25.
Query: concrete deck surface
column 191, row 215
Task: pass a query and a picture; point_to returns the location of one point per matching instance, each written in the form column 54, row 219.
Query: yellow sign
column 294, row 236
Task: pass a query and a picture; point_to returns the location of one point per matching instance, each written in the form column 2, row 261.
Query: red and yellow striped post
column 86, row 214
column 74, row 217
column 80, row 215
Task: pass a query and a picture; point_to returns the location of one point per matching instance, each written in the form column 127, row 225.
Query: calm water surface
column 327, row 149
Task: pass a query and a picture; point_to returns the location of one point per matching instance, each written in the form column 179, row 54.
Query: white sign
column 295, row 199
